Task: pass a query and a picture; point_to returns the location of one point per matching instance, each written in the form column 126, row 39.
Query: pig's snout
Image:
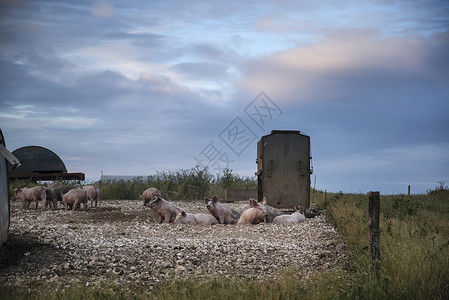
column 208, row 206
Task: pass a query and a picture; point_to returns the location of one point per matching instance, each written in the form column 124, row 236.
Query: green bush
column 184, row 184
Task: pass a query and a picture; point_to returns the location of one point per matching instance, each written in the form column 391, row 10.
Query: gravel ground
column 120, row 241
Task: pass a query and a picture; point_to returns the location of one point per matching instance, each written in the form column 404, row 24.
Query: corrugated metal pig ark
column 283, row 169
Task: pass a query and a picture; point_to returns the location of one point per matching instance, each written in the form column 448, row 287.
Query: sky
column 135, row 87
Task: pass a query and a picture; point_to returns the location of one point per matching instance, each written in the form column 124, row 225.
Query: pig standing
column 253, row 215
column 149, row 195
column 198, row 219
column 52, row 197
column 27, row 195
column 60, row 189
column 73, row 198
column 222, row 213
column 92, row 194
column 296, row 217
column 167, row 211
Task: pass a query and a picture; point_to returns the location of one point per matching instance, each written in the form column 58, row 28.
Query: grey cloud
column 211, row 71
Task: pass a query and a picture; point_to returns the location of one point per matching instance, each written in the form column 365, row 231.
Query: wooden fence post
column 374, row 231
column 409, row 190
column 325, row 199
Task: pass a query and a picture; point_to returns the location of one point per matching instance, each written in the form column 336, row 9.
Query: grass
column 414, row 260
column 414, row 244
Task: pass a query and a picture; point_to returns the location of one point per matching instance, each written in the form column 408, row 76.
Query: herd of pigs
column 251, row 213
column 72, row 197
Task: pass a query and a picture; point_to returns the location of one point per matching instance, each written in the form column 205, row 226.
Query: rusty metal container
column 283, row 169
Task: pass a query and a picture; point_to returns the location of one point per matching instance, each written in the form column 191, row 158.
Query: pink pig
column 73, row 199
column 93, row 194
column 167, row 211
column 253, row 215
column 30, row 194
column 149, row 195
column 198, row 219
column 296, row 217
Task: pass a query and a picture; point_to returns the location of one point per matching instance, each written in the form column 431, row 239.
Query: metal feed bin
column 283, row 169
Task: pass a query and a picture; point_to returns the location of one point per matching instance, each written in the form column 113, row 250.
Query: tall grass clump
column 414, row 245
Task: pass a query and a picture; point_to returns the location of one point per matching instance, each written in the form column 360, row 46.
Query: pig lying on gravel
column 271, row 211
column 92, row 194
column 73, row 199
column 149, row 195
column 27, row 195
column 167, row 211
column 296, row 217
column 198, row 219
column 222, row 213
column 253, row 215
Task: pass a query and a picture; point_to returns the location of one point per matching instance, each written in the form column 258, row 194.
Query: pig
column 27, row 195
column 52, row 197
column 167, row 211
column 271, row 211
column 149, row 195
column 198, row 219
column 296, row 217
column 73, row 198
column 92, row 194
column 223, row 214
column 253, row 215
column 60, row 189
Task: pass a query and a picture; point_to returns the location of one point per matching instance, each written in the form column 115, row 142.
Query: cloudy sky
column 134, row 87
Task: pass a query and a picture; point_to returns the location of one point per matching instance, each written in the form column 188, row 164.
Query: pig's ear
column 251, row 202
column 255, row 203
column 206, row 200
column 183, row 213
column 215, row 199
column 264, row 201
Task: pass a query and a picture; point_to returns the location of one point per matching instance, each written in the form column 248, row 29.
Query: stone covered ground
column 120, row 241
